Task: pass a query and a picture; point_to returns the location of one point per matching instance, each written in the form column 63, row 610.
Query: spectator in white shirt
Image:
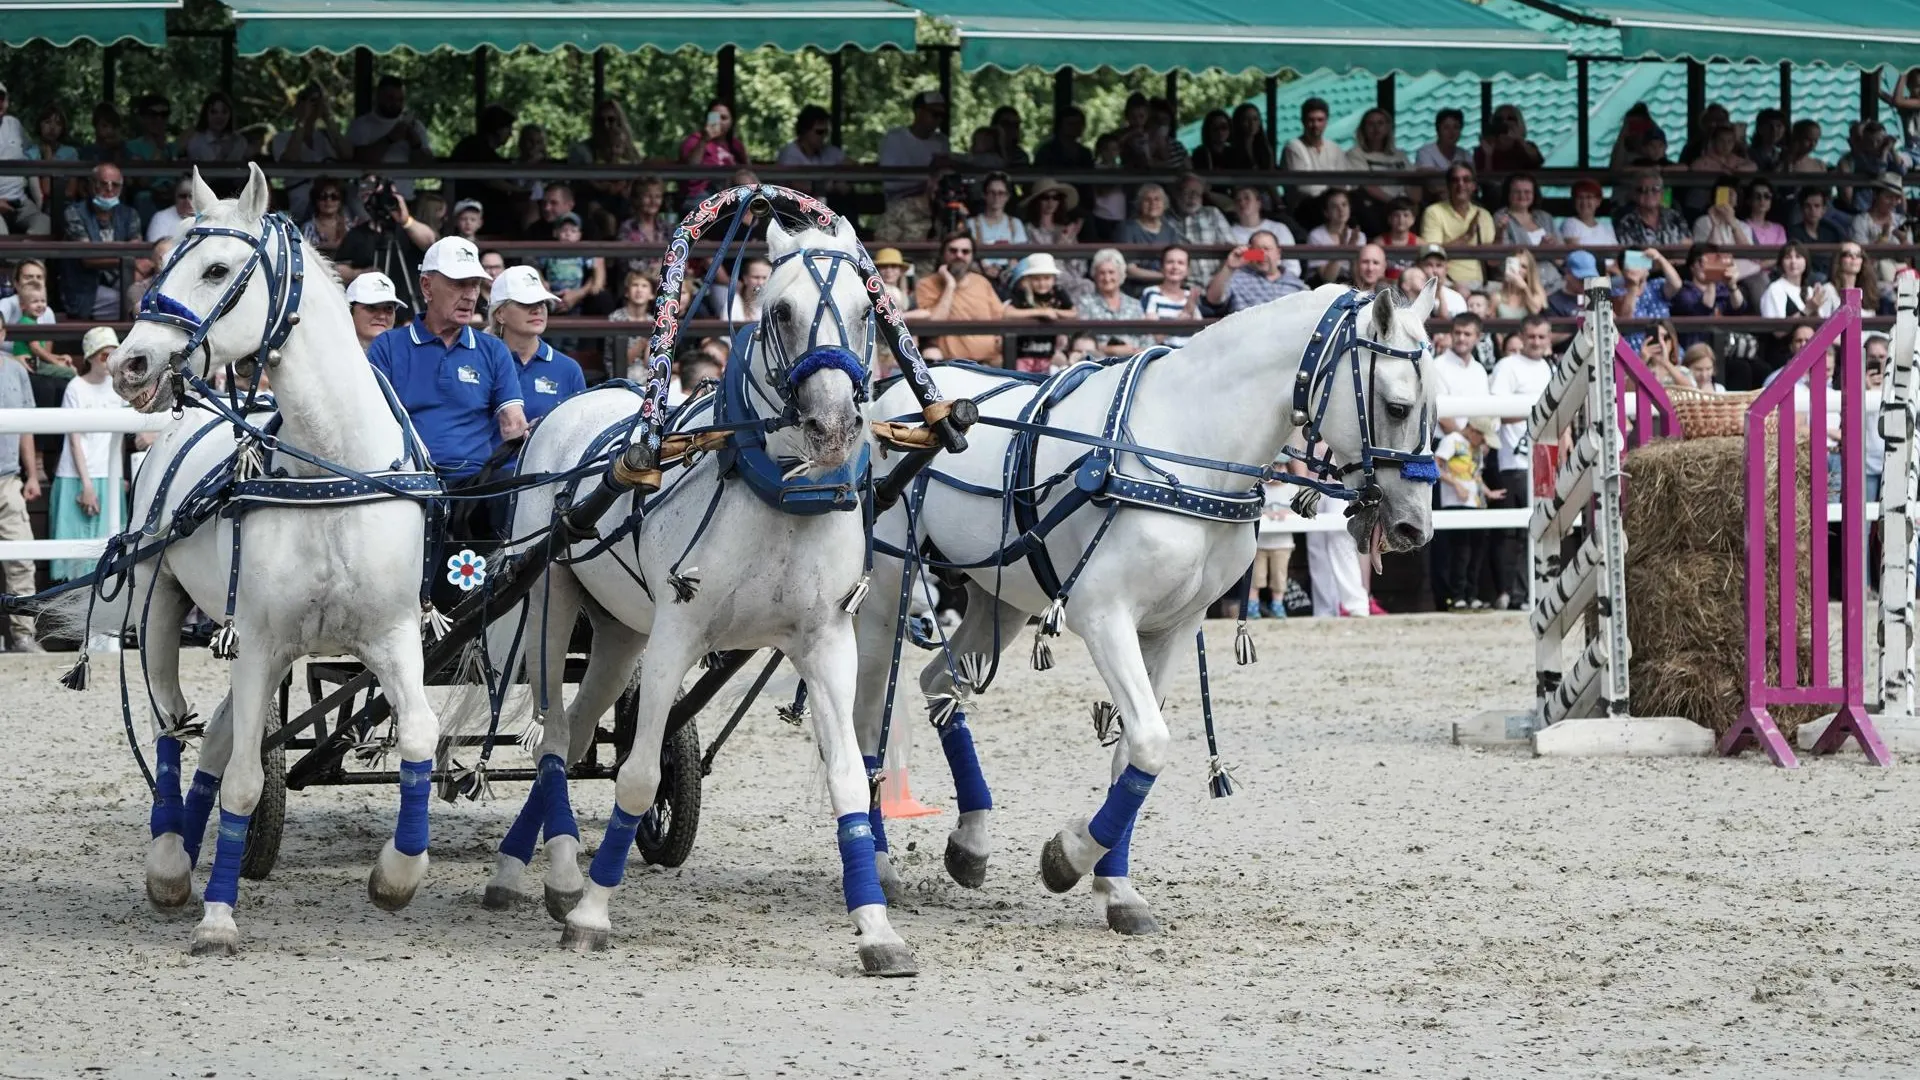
column 917, row 145
column 1445, row 149
column 16, row 213
column 1525, row 374
column 1459, row 368
column 1312, row 151
column 810, row 145
column 1585, row 227
column 390, row 135
column 166, row 220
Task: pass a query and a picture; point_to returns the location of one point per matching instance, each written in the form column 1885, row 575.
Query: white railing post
column 1897, row 724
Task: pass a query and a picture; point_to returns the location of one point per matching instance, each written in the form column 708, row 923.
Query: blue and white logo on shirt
column 544, row 385
column 469, row 375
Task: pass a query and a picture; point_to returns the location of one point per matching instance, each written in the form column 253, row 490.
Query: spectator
column 1108, row 303
column 1570, row 298
column 90, row 287
column 1722, row 153
column 921, row 144
column 650, row 226
column 1882, row 223
column 500, row 200
column 1108, row 206
column 34, row 310
column 90, row 467
column 1399, row 232
column 1215, row 152
column 1817, row 224
column 50, row 143
column 1171, row 297
column 1802, row 139
column 328, row 221
column 1450, row 301
column 604, row 202
column 1504, row 146
column 493, row 263
column 1249, row 217
column 1253, row 274
column 1853, row 270
column 811, row 144
column 1445, row 150
column 893, row 267
column 993, row 225
column 1198, row 222
column 530, row 150
column 954, row 291
column 1651, row 282
column 26, row 273
column 1051, row 219
column 1585, row 226
column 517, row 314
column 636, row 306
column 1370, row 268
column 215, row 137
column 1035, row 284
column 1709, row 289
column 714, row 146
column 1248, row 141
column 1524, row 373
column 1721, row 225
column 739, row 303
column 1272, row 552
column 1131, row 137
column 1871, row 152
column 1756, row 204
column 1461, row 373
column 166, row 221
column 17, row 214
column 1520, row 293
column 1661, row 350
column 1336, row 231
column 467, row 220
column 983, row 149
column 924, row 218
column 20, row 476
column 1164, row 149
column 1460, row 554
column 556, row 202
column 389, row 239
column 374, row 304
column 153, row 115
column 1458, row 222
column 1648, row 223
column 1063, row 150
column 144, row 271
column 390, row 135
column 1374, row 151
column 1698, row 363
column 1149, row 225
column 1312, row 151
column 576, row 278
column 109, row 141
column 1521, row 221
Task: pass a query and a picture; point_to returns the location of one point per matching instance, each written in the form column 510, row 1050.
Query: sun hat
column 521, row 285
column 1891, row 181
column 100, row 337
column 373, row 287
column 1069, row 195
column 889, row 257
column 453, row 257
column 1037, row 263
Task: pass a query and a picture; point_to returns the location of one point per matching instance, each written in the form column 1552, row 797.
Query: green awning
column 339, row 26
column 1380, row 36
column 104, row 22
column 1867, row 35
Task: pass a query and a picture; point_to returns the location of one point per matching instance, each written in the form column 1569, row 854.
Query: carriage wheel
column 270, row 816
column 666, row 832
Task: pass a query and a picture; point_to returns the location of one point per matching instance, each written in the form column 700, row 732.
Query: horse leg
column 829, row 663
column 1114, row 897
column 616, row 649
column 256, row 677
column 1114, row 644
column 552, row 604
column 968, row 844
column 396, row 662
column 671, row 654
column 169, row 866
column 874, row 629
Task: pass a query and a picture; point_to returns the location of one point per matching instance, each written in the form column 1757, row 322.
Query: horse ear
column 253, row 197
column 779, row 240
column 1422, row 308
column 1383, row 309
column 203, row 196
column 843, row 229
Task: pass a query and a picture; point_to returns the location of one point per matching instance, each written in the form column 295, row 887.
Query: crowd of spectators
column 1197, row 248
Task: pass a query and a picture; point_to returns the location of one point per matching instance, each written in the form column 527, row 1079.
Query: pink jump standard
column 1849, row 695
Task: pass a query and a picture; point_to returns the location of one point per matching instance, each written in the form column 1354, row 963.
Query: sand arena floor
column 1373, row 902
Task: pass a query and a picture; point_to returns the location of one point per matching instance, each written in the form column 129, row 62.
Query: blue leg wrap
column 416, row 784
column 223, row 884
column 874, row 818
column 199, row 807
column 610, row 862
column 165, row 816
column 525, row 832
column 969, row 787
column 553, row 788
column 1111, row 825
column 1114, row 862
column 857, row 876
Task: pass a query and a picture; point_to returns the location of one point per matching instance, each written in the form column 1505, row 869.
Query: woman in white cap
column 517, row 312
column 374, row 304
column 91, row 464
column 1035, row 283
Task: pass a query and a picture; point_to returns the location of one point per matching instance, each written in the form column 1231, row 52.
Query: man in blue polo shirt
column 460, row 387
column 517, row 308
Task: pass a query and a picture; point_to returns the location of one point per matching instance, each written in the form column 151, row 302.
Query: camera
column 950, row 206
column 381, row 200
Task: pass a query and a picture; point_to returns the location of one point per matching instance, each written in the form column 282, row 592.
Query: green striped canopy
column 1867, row 35
column 104, row 22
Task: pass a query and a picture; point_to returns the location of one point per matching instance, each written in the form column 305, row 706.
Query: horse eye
column 1399, row 412
column 216, row 272
column 783, row 312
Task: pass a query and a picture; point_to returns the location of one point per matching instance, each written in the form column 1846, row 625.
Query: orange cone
column 896, row 797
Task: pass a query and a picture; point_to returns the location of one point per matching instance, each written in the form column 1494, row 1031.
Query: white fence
column 16, row 422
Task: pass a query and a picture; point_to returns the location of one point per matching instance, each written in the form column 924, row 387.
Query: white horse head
column 197, row 286
column 814, row 339
column 1400, row 403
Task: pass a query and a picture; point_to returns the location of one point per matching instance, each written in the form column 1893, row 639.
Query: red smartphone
column 1255, row 257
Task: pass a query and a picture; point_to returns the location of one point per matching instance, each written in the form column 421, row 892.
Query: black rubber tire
column 667, row 831
column 270, row 816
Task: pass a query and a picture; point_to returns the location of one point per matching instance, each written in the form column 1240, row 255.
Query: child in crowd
column 1273, row 552
column 34, row 309
column 1463, row 485
column 90, row 467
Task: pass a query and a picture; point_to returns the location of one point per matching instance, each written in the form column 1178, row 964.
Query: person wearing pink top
column 714, row 146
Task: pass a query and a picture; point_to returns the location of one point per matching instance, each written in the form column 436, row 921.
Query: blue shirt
column 548, row 378
column 452, row 394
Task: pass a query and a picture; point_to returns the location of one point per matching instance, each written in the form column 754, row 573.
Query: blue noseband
column 828, row 358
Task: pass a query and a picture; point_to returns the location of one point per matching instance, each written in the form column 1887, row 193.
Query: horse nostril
column 135, row 366
column 814, row 428
column 1407, row 535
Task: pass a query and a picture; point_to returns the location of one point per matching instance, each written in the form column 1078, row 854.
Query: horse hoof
column 560, row 905
column 385, row 895
column 1131, row 921
column 888, row 961
column 583, row 939
column 221, row 942
column 965, row 867
column 169, row 893
column 1056, row 871
column 499, row 898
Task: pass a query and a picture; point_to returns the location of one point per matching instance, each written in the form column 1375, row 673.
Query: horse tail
column 78, row 615
column 493, row 667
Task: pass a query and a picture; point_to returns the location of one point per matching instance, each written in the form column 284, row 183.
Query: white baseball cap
column 453, row 257
column 520, row 284
column 373, row 287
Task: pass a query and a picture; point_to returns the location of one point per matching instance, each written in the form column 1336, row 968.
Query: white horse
column 749, row 576
column 243, row 288
column 1137, row 602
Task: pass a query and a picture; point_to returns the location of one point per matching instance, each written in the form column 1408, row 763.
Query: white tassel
column 1042, row 653
column 1243, row 652
column 1219, row 778
column 1107, row 724
column 972, row 669
column 248, row 460
column 372, row 750
column 472, row 782
column 226, row 642
column 184, row 729
column 856, row 596
column 941, row 707
column 534, row 734
column 434, row 621
column 1056, row 611
column 798, row 468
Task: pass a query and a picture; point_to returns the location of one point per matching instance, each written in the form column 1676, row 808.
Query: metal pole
column 1173, row 94
column 946, row 82
column 1383, row 94
column 1273, row 116
column 226, row 62
column 109, row 57
column 1583, row 104
column 1786, row 92
column 599, row 76
column 1062, row 95
column 1870, row 95
column 723, row 74
column 1896, row 496
column 1486, row 104
column 837, row 106
column 1696, row 100
column 480, row 58
column 362, row 81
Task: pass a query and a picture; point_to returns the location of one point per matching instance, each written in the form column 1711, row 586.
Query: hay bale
column 1685, row 496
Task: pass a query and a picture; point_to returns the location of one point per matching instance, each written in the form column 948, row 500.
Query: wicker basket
column 1707, row 415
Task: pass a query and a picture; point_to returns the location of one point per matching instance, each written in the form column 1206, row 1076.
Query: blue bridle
column 1335, row 340
column 277, row 247
column 786, row 373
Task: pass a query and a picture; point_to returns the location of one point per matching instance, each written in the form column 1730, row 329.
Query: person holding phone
column 1709, row 289
column 712, row 145
column 1721, row 225
column 1651, row 284
column 1252, row 275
